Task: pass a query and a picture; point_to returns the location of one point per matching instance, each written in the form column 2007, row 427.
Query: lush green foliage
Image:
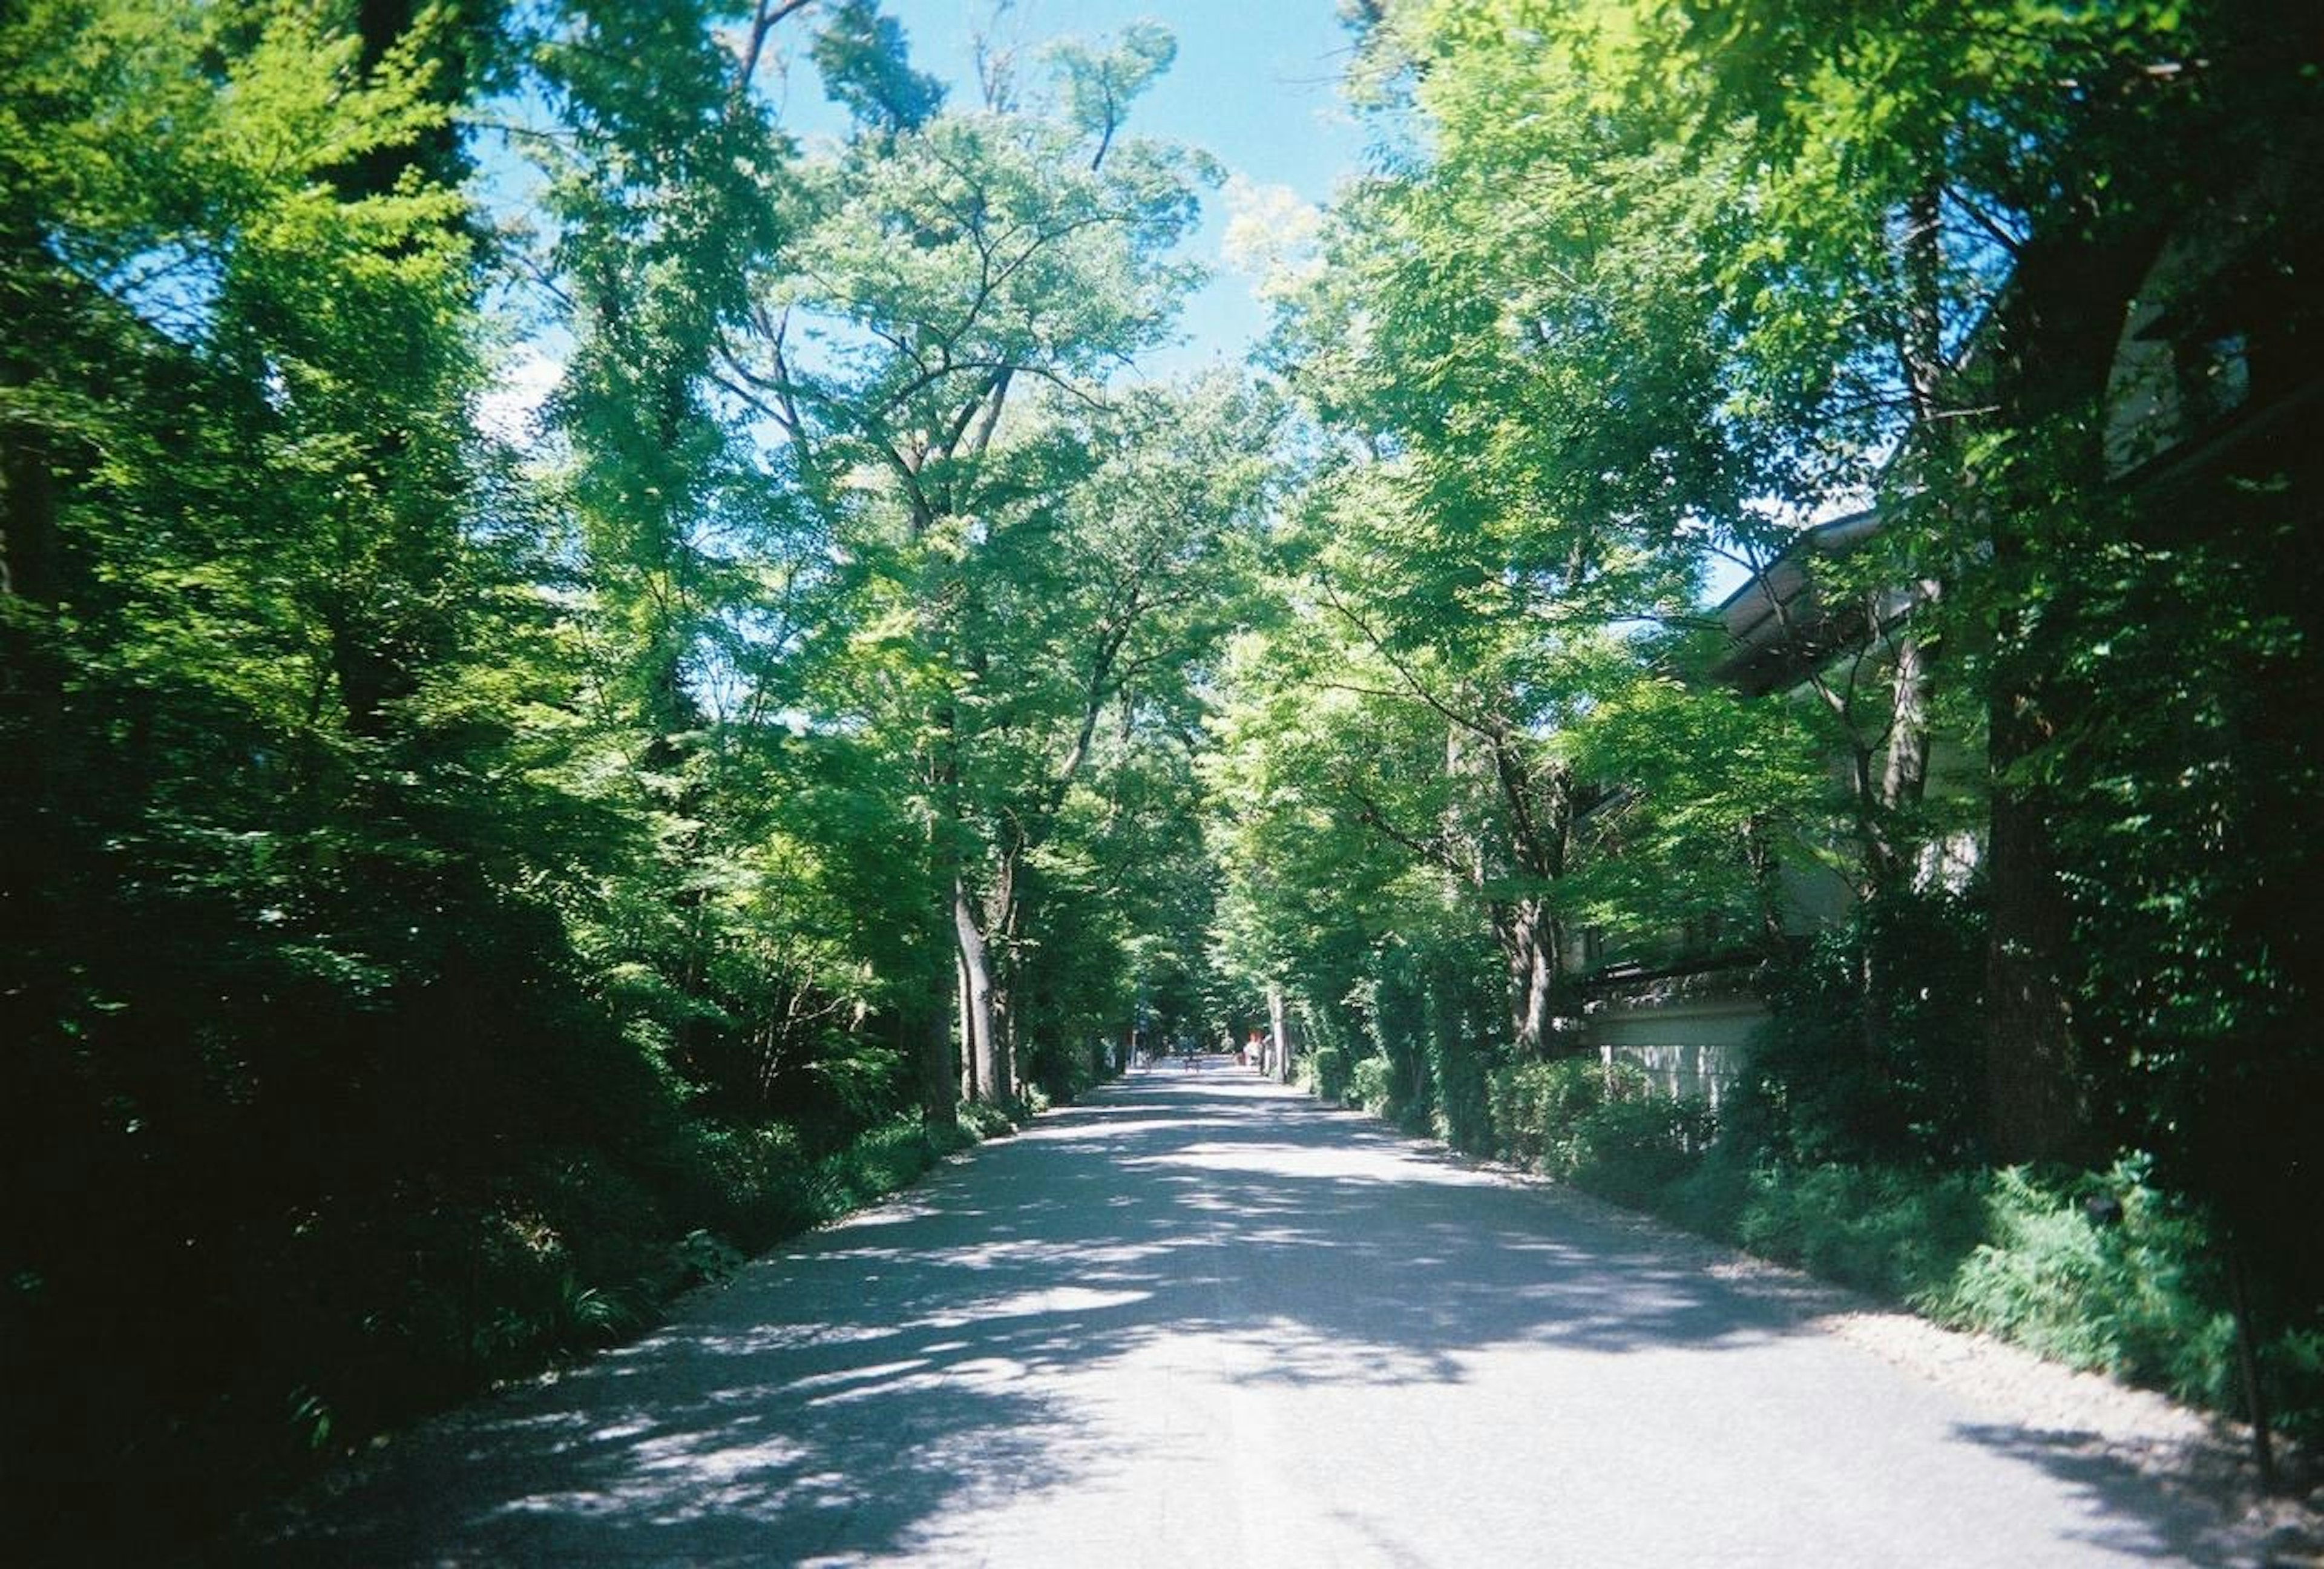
column 463, row 883
column 1604, row 1125
column 466, row 882
column 1325, row 1070
column 1822, row 1087
column 1642, row 285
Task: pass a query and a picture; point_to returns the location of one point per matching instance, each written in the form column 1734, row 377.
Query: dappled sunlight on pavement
column 1204, row 1320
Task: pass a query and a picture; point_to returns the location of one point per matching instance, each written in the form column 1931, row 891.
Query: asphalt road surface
column 1204, row 1321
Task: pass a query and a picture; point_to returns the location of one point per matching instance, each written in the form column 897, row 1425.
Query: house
column 1686, row 1013
column 2212, row 407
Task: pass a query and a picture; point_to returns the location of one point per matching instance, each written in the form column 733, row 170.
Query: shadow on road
column 2128, row 1511
column 867, row 1385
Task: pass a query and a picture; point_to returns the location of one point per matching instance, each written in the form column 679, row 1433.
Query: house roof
column 1778, row 627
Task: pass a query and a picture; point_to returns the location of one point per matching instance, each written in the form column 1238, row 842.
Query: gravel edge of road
column 2187, row 1454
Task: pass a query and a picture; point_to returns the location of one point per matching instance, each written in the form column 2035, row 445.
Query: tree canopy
column 1804, row 493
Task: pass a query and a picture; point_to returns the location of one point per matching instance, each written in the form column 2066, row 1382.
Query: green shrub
column 601, row 1217
column 1897, row 1232
column 1535, row 1107
column 2018, row 1254
column 1459, row 1110
column 1324, row 1071
column 2293, row 1365
column 1635, row 1147
column 2136, row 1293
column 982, row 1120
column 1825, row 1088
column 703, row 1258
column 1570, row 1115
column 583, row 1318
column 2139, row 1298
column 881, row 1161
column 751, row 1183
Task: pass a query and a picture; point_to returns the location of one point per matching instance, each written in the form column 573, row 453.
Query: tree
column 1509, row 333
column 1107, row 596
column 666, row 179
column 2048, row 153
column 1950, row 245
column 948, row 261
column 1905, row 244
column 257, row 598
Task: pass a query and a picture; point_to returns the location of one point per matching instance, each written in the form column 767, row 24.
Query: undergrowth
column 364, row 1322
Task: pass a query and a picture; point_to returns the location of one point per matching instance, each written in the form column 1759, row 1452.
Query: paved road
column 1204, row 1321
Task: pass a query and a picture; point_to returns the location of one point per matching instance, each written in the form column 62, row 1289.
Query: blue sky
column 1256, row 84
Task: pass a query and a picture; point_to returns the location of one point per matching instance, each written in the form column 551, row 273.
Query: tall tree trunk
column 29, row 673
column 1889, row 872
column 1936, row 455
column 2034, row 1106
column 1529, row 940
column 2247, row 1368
column 962, row 990
column 1538, row 808
column 1279, row 1035
column 1004, row 913
column 28, row 524
column 946, row 1069
column 1904, row 777
column 2058, row 334
column 1886, row 796
column 931, row 1045
column 1766, row 887
column 1880, row 881
column 987, row 1064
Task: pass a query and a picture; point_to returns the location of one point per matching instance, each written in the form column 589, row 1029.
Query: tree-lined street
column 1204, row 1320
column 627, row 624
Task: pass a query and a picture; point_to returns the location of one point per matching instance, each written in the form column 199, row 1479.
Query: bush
column 2293, row 1365
column 2132, row 1286
column 1823, row 1088
column 702, row 1258
column 884, row 1160
column 983, row 1120
column 2139, row 1298
column 1324, row 1071
column 1535, row 1107
column 1458, row 1111
column 2137, row 1293
column 1898, row 1232
column 1633, row 1148
column 1367, row 1083
column 1602, row 1124
column 751, row 1183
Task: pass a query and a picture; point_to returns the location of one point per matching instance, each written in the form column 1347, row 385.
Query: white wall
column 1687, row 1048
